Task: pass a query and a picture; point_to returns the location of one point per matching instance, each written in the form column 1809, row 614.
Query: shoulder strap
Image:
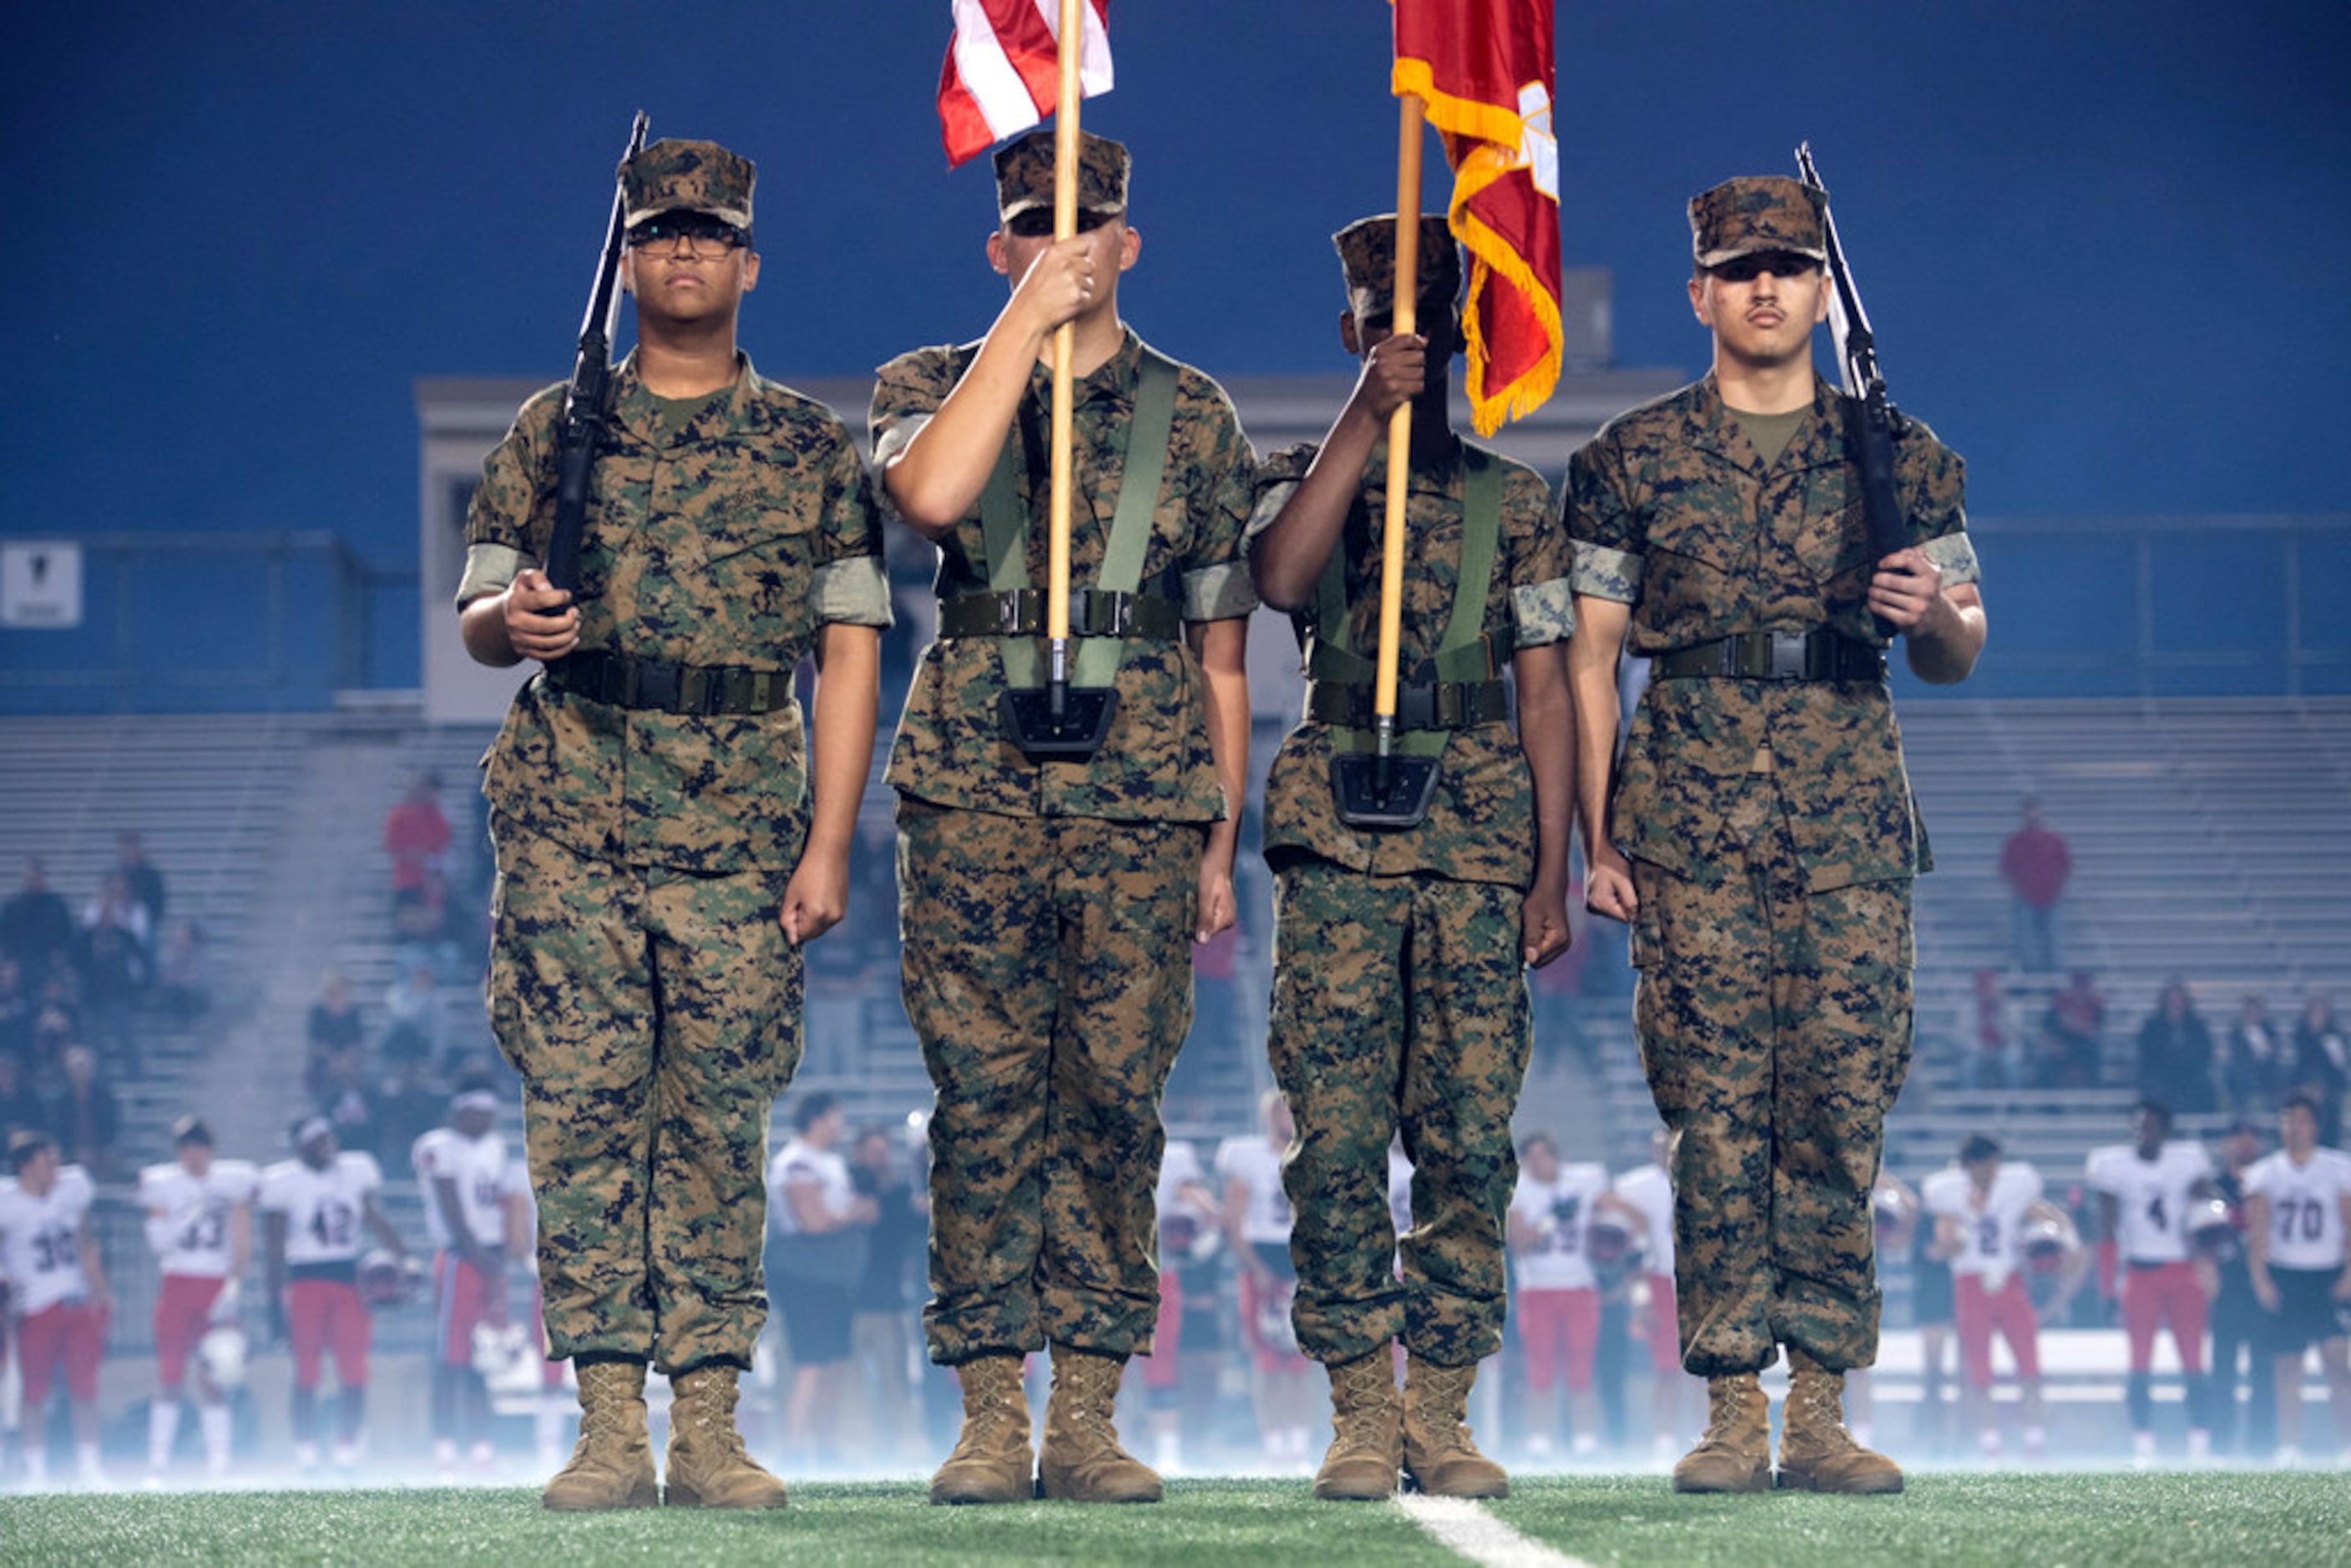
column 1462, row 654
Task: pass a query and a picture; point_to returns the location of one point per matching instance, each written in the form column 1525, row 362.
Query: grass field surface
column 2177, row 1519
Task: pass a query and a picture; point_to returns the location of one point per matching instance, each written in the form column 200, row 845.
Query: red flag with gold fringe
column 1484, row 68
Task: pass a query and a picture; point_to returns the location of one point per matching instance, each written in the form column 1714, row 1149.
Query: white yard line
column 1462, row 1526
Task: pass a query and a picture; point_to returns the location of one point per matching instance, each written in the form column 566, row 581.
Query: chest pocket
column 1705, row 522
column 1832, row 536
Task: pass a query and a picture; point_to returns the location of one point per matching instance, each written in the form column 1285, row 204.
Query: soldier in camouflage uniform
column 660, row 858
column 1762, row 837
column 1046, row 904
column 1399, row 1000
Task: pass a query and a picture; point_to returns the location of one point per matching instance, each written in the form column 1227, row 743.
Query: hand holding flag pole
column 1399, row 483
column 1065, row 225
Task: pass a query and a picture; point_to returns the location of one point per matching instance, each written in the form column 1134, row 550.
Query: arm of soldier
column 1547, row 735
column 1943, row 627
column 935, row 478
column 1593, row 653
column 1222, row 648
column 529, row 618
column 1287, row 556
column 849, row 664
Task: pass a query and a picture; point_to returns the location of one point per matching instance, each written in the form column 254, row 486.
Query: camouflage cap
column 689, row 176
column 1756, row 212
column 1366, row 250
column 1024, row 174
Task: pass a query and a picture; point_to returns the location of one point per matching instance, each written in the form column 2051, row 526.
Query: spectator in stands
column 18, row 1109
column 416, row 837
column 2035, row 862
column 407, row 1107
column 2322, row 1063
column 334, row 1025
column 112, row 951
column 182, row 973
column 1992, row 1036
column 17, row 1008
column 2072, row 1042
column 2174, row 1054
column 36, row 929
column 881, row 1331
column 415, row 1019
column 2253, row 1070
column 76, row 1107
column 139, row 875
column 349, row 1108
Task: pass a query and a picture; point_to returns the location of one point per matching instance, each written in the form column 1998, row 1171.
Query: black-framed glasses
column 1036, row 223
column 687, row 234
column 1756, row 263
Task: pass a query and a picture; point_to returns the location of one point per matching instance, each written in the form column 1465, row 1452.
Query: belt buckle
column 656, row 685
column 1416, row 704
column 1788, row 656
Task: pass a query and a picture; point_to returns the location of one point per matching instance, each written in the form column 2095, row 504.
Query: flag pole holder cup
column 1059, row 721
column 1377, row 789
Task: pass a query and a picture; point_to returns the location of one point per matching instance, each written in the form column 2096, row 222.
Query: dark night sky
column 2100, row 241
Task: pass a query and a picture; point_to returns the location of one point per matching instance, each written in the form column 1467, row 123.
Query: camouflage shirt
column 1155, row 766
column 1673, row 513
column 1480, row 825
column 727, row 542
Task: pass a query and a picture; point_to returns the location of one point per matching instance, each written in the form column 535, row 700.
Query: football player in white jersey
column 199, row 1228
column 2145, row 1189
column 56, row 1287
column 2297, row 1215
column 317, row 1210
column 462, row 1168
column 1558, row 1304
column 1257, row 1224
column 1675, row 1397
column 1982, row 1210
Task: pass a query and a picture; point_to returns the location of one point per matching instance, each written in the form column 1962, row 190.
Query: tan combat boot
column 1438, row 1457
column 1366, row 1430
column 612, row 1465
column 991, row 1462
column 1734, row 1454
column 707, row 1465
column 1816, row 1453
column 1079, row 1459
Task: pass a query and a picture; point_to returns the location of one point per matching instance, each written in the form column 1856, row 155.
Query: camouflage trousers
column 1046, row 969
column 1774, row 1026
column 654, row 1017
column 1399, row 1005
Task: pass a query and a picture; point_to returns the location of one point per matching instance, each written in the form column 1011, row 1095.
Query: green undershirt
column 1769, row 434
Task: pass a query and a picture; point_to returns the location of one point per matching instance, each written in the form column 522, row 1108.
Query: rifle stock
column 584, row 398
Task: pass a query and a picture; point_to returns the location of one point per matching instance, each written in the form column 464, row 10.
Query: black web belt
column 658, row 686
column 1420, row 704
column 1094, row 612
column 1819, row 655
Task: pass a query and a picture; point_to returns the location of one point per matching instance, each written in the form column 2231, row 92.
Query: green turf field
column 2018, row 1521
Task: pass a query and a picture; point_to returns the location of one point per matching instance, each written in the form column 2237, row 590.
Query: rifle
column 584, row 398
column 1871, row 422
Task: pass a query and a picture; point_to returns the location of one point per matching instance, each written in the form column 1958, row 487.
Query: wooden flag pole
column 1065, row 225
column 1407, row 294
